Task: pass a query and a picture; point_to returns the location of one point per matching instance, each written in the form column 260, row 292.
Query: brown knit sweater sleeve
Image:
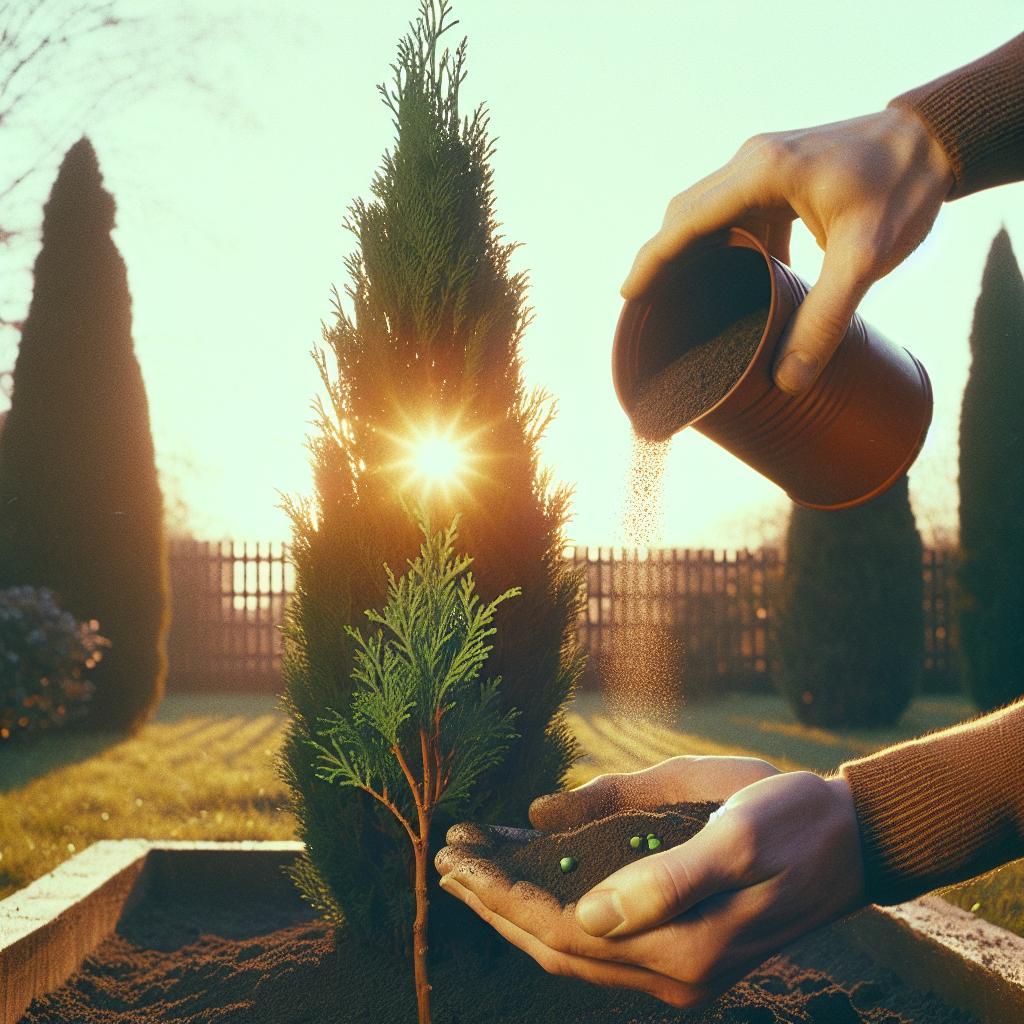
column 977, row 114
column 942, row 808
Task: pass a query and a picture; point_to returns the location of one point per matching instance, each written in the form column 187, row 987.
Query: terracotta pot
column 845, row 441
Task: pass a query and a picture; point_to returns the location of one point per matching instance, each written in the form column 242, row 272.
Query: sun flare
column 439, row 459
column 436, row 458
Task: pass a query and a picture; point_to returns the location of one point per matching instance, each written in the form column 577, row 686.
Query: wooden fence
column 716, row 607
column 227, row 601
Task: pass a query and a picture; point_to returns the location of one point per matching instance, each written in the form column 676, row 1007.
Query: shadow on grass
column 762, row 725
column 24, row 762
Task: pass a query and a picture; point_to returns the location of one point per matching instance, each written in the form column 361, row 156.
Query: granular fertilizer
column 692, row 383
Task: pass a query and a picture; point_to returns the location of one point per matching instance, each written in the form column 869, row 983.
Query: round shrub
column 44, row 655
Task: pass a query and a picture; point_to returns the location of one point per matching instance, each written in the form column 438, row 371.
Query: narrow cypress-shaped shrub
column 991, row 578
column 850, row 629
column 80, row 506
column 430, row 345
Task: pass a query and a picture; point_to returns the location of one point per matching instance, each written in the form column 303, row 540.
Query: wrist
column 925, row 151
column 846, row 812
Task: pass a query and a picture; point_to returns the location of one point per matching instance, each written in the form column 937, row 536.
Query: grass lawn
column 203, row 769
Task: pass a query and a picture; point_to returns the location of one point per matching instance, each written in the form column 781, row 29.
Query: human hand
column 868, row 188
column 781, row 857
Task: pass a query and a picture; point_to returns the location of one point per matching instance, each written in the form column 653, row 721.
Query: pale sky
column 230, row 206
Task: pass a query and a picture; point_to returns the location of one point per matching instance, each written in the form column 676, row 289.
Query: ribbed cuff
column 942, row 808
column 977, row 115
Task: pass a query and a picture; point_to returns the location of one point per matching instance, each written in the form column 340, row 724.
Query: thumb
column 658, row 888
column 823, row 317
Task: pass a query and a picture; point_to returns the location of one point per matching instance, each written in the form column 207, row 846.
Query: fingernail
column 600, row 911
column 796, row 373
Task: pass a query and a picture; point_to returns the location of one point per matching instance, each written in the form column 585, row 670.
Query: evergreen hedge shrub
column 80, row 506
column 850, row 628
column 991, row 578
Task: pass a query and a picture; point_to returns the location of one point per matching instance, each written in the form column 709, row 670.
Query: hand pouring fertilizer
column 697, row 350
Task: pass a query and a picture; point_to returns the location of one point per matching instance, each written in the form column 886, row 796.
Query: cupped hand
column 869, row 190
column 779, row 858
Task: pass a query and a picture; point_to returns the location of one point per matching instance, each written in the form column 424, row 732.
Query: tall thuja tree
column 80, row 506
column 431, row 349
column 850, row 629
column 991, row 604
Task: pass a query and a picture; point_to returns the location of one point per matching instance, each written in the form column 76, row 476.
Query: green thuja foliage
column 80, row 506
column 850, row 627
column 991, row 601
column 431, row 345
column 421, row 727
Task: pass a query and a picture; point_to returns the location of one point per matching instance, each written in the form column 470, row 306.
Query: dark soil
column 690, row 385
column 204, row 958
column 600, row 847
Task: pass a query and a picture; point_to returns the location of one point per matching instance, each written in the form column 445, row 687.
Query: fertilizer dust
column 639, row 661
column 642, row 666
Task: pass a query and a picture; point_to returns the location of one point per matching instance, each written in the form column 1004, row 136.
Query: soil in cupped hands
column 600, row 847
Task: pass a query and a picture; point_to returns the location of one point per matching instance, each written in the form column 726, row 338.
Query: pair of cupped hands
column 782, row 855
column 779, row 857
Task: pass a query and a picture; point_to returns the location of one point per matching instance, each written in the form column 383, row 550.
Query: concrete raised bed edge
column 967, row 961
column 49, row 927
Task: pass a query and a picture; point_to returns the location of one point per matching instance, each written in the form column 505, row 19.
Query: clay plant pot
column 845, row 441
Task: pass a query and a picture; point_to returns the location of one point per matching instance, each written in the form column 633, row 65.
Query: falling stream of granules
column 641, row 664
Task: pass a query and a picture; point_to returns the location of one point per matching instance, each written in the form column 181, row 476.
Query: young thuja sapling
column 422, row 725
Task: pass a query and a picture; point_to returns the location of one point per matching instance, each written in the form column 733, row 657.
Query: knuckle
column 773, row 148
column 752, row 144
column 651, row 252
column 575, row 942
column 464, row 832
column 679, row 202
column 683, row 760
column 546, row 958
column 759, row 766
column 669, row 880
column 599, row 789
column 665, row 772
column 554, row 963
column 827, row 321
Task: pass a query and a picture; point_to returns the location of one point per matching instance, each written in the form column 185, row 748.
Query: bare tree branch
column 63, row 65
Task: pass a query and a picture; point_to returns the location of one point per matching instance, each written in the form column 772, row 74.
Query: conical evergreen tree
column 80, row 506
column 991, row 605
column 850, row 629
column 432, row 346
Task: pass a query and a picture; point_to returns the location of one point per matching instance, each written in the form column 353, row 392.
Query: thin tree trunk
column 419, row 931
